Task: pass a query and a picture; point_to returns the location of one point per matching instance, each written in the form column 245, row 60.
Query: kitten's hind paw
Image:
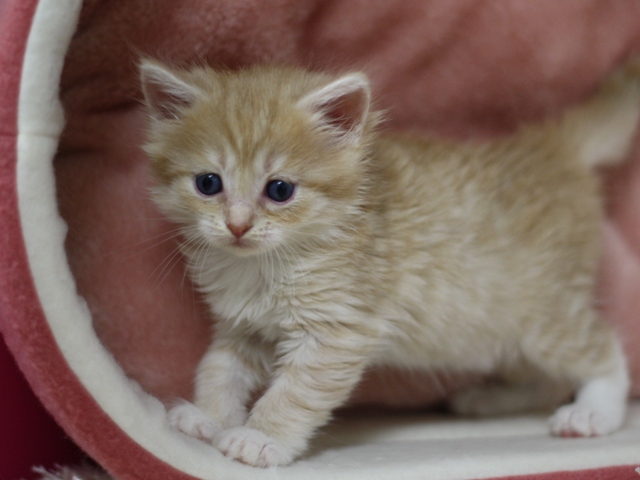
column 576, row 420
column 192, row 421
column 252, row 447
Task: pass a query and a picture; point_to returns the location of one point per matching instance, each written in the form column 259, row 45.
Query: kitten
column 324, row 248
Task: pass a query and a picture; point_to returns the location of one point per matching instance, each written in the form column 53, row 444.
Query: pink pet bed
column 94, row 304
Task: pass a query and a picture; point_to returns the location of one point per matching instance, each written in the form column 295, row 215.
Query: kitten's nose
column 238, row 230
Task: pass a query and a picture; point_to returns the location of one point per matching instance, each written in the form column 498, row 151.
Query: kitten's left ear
column 166, row 94
column 341, row 107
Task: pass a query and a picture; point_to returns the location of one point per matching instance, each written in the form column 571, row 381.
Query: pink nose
column 238, row 230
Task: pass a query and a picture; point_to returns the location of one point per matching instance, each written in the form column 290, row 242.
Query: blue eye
column 209, row 184
column 279, row 190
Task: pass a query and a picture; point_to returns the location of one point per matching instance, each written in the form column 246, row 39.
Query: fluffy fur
column 419, row 253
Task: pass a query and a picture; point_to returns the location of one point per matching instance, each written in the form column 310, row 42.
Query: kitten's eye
column 209, row 184
column 279, row 190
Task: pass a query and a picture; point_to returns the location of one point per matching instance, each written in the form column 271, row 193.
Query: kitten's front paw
column 192, row 421
column 581, row 421
column 252, row 447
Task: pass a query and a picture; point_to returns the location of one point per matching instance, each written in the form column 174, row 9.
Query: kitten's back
column 501, row 238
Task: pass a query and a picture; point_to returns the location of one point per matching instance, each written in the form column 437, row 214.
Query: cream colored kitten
column 323, row 248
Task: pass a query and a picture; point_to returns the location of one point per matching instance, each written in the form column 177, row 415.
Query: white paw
column 252, row 447
column 581, row 421
column 192, row 421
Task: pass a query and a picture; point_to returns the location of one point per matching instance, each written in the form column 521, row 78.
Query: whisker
column 272, row 263
column 301, row 272
column 202, row 252
column 170, row 235
column 284, row 280
column 167, row 264
column 202, row 239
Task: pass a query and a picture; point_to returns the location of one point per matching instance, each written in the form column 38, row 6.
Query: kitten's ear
column 341, row 107
column 165, row 93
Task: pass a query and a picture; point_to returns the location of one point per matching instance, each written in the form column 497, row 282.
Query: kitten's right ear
column 342, row 107
column 166, row 94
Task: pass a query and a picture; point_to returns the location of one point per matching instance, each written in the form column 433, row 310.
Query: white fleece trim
column 40, row 122
column 369, row 449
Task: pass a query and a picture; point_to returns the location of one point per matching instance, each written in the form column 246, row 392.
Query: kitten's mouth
column 240, row 243
column 242, row 247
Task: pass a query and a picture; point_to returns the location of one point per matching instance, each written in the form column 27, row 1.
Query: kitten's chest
column 246, row 293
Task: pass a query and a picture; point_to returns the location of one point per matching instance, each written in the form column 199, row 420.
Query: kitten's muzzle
column 238, row 230
column 239, row 218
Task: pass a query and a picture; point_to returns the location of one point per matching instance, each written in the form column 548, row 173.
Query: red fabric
column 463, row 68
column 614, row 473
column 28, row 435
column 15, row 19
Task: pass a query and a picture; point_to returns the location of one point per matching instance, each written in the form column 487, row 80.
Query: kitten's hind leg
column 600, row 403
column 509, row 398
column 591, row 358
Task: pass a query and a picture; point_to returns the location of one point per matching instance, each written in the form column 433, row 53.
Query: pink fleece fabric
column 28, row 434
column 463, row 68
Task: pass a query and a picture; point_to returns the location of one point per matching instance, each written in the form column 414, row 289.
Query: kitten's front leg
column 227, row 375
column 314, row 375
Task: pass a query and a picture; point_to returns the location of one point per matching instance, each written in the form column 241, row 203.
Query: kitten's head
column 251, row 160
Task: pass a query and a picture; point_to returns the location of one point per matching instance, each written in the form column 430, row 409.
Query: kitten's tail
column 603, row 129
